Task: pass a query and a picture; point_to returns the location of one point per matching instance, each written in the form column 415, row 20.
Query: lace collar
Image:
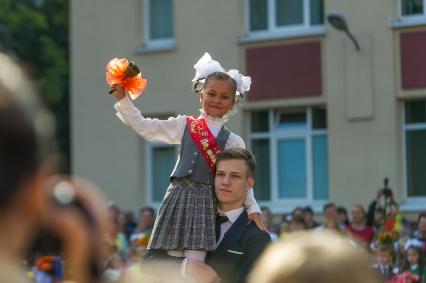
column 218, row 121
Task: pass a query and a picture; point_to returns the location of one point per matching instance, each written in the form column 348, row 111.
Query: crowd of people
column 396, row 247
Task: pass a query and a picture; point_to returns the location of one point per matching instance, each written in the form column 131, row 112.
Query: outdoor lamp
column 338, row 21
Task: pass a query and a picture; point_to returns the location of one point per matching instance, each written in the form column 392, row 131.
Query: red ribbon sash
column 204, row 140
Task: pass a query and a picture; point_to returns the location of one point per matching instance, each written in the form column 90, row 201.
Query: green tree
column 36, row 32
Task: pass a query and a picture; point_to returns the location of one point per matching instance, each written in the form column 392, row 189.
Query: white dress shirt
column 232, row 217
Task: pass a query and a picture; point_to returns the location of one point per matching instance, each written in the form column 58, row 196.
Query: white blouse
column 171, row 131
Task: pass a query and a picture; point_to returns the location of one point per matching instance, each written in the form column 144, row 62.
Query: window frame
column 155, row 44
column 274, row 31
column 274, row 135
column 149, row 182
column 420, row 16
column 412, row 203
column 410, row 20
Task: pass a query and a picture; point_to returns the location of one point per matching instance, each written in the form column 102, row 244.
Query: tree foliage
column 36, row 32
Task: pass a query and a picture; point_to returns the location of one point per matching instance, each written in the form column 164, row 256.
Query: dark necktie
column 219, row 220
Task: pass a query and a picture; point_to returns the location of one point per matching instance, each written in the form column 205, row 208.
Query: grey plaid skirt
column 186, row 219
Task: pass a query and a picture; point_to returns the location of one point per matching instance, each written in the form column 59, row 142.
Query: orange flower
column 389, row 224
column 143, row 241
column 116, row 70
column 45, row 263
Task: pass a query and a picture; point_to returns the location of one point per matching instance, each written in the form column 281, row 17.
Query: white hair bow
column 206, row 66
column 243, row 82
column 413, row 243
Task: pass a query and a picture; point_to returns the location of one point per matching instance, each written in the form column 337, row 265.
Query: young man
column 240, row 241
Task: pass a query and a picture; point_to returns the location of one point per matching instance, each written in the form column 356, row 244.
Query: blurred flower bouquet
column 387, row 237
column 406, row 277
column 143, row 241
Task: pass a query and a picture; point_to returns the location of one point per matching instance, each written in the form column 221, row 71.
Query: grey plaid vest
column 190, row 161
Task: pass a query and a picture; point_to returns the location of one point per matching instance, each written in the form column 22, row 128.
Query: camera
column 62, row 199
column 387, row 192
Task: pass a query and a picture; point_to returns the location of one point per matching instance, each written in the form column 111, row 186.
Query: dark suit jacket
column 233, row 259
column 240, row 247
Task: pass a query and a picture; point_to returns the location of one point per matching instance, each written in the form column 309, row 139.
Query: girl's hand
column 118, row 92
column 255, row 217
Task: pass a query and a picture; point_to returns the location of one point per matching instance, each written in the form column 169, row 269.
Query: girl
column 414, row 260
column 185, row 225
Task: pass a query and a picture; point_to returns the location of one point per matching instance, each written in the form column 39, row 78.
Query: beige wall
column 363, row 124
column 364, row 114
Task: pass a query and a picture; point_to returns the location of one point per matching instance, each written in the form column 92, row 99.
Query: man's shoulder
column 255, row 232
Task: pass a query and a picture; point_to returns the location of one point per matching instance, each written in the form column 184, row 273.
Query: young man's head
column 234, row 177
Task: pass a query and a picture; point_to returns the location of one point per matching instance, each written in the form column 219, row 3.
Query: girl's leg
column 175, row 253
column 195, row 255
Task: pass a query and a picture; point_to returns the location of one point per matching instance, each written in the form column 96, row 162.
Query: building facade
column 327, row 122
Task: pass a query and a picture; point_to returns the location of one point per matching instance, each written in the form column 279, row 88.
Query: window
column 160, row 161
column 415, row 147
column 411, row 8
column 158, row 23
column 281, row 15
column 290, row 146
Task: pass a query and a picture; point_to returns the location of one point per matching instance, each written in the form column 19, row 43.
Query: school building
column 327, row 121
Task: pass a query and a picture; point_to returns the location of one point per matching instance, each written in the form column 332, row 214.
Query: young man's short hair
column 238, row 154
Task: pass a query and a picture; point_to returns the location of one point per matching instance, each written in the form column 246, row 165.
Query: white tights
column 190, row 254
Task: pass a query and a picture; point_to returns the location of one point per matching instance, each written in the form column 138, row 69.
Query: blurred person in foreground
column 306, row 257
column 26, row 189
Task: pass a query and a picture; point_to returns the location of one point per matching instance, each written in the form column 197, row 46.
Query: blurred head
column 297, row 224
column 342, row 215
column 384, row 255
column 26, row 149
column 26, row 132
column 308, row 214
column 393, row 210
column 421, row 223
column 266, row 215
column 296, row 260
column 146, row 217
column 234, row 177
column 330, row 211
column 358, row 214
column 298, row 211
column 379, row 217
column 413, row 255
